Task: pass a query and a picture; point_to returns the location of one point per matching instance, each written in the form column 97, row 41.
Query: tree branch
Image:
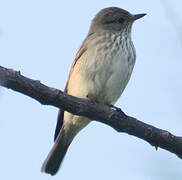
column 113, row 117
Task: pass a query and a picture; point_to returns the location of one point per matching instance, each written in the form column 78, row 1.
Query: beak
column 138, row 16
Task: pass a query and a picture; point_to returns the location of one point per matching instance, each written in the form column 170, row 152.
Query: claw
column 114, row 107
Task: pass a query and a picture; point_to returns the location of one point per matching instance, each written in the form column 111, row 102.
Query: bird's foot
column 92, row 99
column 114, row 107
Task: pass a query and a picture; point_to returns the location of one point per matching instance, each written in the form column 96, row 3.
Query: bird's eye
column 121, row 20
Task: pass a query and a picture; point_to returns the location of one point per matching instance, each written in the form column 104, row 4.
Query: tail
column 54, row 159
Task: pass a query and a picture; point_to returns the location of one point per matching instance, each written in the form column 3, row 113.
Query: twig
column 111, row 116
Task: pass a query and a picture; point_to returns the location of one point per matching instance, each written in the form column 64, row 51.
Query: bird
column 100, row 71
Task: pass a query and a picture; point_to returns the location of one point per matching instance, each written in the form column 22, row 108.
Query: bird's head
column 114, row 19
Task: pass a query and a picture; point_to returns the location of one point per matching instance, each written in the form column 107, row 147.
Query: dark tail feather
column 55, row 157
column 59, row 123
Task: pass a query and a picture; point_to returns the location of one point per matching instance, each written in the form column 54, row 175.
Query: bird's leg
column 114, row 107
column 92, row 98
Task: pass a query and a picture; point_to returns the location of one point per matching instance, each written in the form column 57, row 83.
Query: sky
column 40, row 38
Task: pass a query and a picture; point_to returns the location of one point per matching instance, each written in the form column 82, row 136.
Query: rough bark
column 112, row 116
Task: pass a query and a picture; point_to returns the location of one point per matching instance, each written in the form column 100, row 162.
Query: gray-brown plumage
column 100, row 71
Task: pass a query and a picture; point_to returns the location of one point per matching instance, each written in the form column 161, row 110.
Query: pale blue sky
column 40, row 38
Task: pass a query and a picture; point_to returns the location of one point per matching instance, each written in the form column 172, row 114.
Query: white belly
column 111, row 74
column 115, row 85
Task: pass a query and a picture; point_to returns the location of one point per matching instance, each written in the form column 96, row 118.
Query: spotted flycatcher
column 100, row 71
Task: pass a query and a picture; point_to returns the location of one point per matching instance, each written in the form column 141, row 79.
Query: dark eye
column 121, row 20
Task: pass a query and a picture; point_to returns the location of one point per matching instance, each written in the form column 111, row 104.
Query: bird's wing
column 80, row 52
